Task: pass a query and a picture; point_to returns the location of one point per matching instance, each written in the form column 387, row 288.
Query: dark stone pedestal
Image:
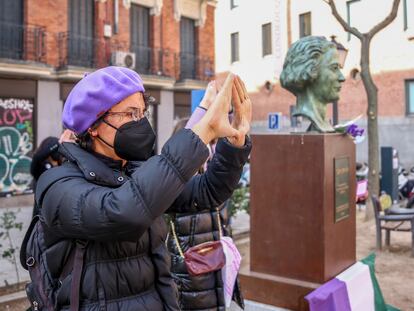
column 302, row 221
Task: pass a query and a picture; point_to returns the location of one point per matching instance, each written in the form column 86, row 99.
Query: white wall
column 390, row 49
column 49, row 110
column 247, row 19
column 165, row 123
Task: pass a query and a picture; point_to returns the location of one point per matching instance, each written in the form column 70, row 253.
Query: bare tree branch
column 344, row 24
column 386, row 21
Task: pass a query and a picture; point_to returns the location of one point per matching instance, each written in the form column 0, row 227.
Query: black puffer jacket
column 205, row 292
column 127, row 265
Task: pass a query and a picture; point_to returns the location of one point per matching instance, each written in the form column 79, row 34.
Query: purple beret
column 96, row 93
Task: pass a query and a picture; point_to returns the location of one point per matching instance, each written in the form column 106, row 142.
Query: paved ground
column 394, row 267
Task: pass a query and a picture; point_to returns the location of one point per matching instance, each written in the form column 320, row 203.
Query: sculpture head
column 312, row 73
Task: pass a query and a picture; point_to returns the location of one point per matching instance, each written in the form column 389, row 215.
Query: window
column 140, row 37
column 11, row 29
column 188, row 48
column 305, row 26
column 408, row 6
column 81, row 33
column 348, row 14
column 234, row 4
column 267, row 39
column 234, row 47
column 409, row 91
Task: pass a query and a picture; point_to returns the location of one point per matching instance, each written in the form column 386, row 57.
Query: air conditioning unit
column 124, row 59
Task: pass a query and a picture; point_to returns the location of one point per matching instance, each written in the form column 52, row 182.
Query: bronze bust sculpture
column 312, row 73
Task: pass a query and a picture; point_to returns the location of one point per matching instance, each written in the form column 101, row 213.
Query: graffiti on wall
column 16, row 145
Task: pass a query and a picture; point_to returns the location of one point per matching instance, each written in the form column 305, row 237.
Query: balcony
column 85, row 52
column 195, row 67
column 80, row 51
column 22, row 42
column 149, row 61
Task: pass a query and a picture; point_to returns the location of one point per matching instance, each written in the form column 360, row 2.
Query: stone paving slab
column 12, row 297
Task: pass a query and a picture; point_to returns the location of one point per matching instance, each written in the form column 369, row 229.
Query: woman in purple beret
column 99, row 244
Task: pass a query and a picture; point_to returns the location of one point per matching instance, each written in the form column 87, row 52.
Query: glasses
column 135, row 114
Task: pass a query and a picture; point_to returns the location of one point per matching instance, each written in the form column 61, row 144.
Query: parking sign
column 274, row 120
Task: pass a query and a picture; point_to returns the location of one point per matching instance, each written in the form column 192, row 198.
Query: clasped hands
column 215, row 123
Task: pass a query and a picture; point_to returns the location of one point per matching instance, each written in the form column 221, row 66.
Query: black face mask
column 134, row 141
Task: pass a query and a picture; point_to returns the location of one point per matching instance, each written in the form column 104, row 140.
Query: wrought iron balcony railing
column 22, row 42
column 195, row 67
column 75, row 50
column 93, row 53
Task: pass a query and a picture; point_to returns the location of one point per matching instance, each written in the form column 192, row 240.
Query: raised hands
column 215, row 122
column 210, row 95
column 242, row 112
column 67, row 137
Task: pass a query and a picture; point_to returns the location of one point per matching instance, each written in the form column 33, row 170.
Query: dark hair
column 85, row 139
column 47, row 148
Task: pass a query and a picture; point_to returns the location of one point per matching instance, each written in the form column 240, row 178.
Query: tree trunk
column 372, row 117
column 372, row 94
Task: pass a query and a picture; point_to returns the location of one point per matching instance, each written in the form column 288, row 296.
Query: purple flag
column 331, row 296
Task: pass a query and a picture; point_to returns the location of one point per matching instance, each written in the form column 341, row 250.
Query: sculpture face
column 312, row 73
column 327, row 85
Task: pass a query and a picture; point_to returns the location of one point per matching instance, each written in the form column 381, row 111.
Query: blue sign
column 274, row 121
column 196, row 97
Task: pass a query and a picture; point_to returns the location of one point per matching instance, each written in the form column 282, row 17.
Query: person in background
column 44, row 158
column 203, row 292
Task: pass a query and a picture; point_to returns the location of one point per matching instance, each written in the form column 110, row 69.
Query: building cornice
column 74, row 74
column 188, row 85
column 158, row 81
column 27, row 70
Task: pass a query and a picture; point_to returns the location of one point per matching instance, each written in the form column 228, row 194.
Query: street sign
column 274, row 120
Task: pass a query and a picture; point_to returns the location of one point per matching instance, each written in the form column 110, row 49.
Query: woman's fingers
column 67, row 137
column 228, row 84
column 211, row 87
column 240, row 91
column 224, row 96
column 246, row 101
column 236, row 98
column 209, row 96
column 214, row 85
column 244, row 88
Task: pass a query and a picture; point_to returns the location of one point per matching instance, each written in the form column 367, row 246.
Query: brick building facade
column 392, row 64
column 46, row 46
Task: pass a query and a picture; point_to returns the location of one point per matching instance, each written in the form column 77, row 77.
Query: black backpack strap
column 77, row 274
column 26, row 240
